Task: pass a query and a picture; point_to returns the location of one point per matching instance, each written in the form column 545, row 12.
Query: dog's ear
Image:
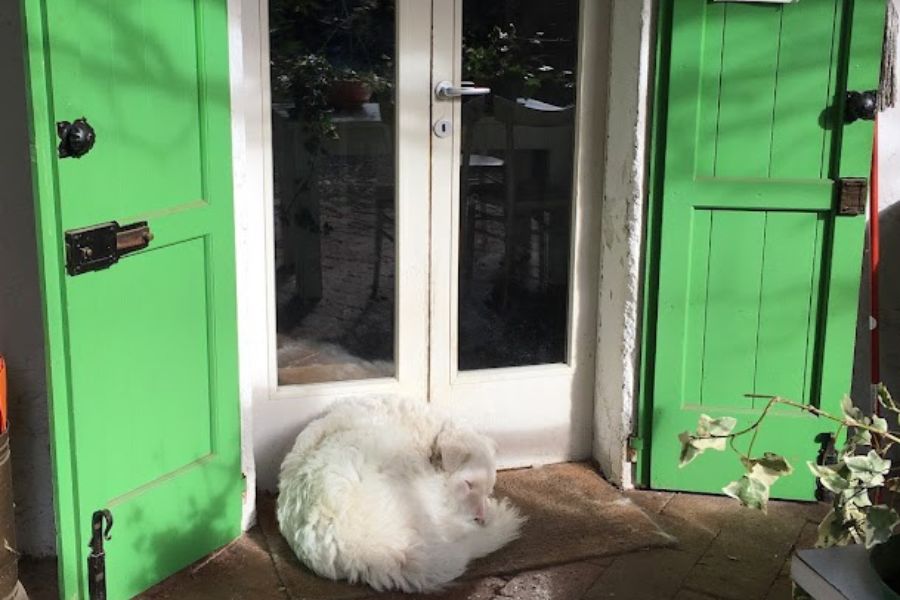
column 449, row 451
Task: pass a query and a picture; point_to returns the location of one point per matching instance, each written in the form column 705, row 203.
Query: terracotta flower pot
column 348, row 94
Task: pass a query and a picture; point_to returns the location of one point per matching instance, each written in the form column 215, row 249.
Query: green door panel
column 143, row 355
column 753, row 279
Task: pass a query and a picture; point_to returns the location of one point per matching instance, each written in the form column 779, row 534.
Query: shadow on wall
column 21, row 325
column 889, row 270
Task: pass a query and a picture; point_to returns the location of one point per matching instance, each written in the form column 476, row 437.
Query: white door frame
column 620, row 53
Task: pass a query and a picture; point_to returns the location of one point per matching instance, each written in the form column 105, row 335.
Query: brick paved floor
column 723, row 552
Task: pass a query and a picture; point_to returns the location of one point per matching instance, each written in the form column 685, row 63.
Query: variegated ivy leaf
column 869, row 470
column 709, row 436
column 850, row 412
column 855, row 498
column 879, row 424
column 879, row 524
column 768, row 468
column 858, row 437
column 829, row 476
column 709, row 427
column 834, row 531
column 751, row 492
column 886, row 400
column 692, row 446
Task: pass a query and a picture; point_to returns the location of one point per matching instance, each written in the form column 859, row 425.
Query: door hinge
column 101, row 246
column 101, row 523
column 827, row 455
column 853, row 193
column 634, row 445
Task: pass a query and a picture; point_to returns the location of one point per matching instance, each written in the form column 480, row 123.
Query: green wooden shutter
column 143, row 355
column 754, row 278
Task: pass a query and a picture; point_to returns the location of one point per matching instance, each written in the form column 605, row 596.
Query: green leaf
column 692, row 446
column 869, row 469
column 708, row 427
column 829, row 477
column 850, row 412
column 751, row 492
column 879, row 524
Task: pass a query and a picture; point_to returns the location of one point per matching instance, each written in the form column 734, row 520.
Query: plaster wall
column 618, row 337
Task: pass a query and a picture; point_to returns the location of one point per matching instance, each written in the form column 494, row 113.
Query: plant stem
column 810, row 409
column 756, row 428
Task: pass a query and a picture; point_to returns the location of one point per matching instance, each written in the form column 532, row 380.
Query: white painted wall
column 243, row 159
column 618, row 340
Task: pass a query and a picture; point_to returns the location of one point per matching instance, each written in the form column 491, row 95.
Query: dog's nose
column 479, row 520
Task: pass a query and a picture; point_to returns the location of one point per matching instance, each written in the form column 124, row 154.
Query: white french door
column 514, row 238
column 435, row 247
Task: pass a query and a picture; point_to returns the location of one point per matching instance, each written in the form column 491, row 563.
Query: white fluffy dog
column 392, row 494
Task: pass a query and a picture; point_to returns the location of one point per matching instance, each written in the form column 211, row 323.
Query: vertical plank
column 746, row 99
column 695, row 316
column 785, row 302
column 732, row 307
column 710, row 74
column 815, row 308
column 803, row 89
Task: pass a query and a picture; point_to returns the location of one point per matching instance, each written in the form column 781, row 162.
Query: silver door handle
column 446, row 90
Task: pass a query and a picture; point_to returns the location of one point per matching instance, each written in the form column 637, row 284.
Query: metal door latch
column 852, row 195
column 101, row 246
column 97, row 558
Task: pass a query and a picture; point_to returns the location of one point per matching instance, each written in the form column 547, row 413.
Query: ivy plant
column 861, row 471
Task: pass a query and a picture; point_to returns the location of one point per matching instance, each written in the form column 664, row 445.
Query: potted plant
column 325, row 57
column 860, row 474
column 513, row 64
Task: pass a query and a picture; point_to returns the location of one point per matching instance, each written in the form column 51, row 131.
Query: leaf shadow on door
column 205, row 524
column 119, row 53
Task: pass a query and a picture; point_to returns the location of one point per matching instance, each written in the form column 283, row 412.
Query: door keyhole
column 443, row 128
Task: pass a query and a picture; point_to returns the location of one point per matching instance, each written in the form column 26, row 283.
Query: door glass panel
column 516, row 176
column 332, row 73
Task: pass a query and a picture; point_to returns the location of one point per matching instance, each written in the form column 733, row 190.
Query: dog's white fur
column 393, row 494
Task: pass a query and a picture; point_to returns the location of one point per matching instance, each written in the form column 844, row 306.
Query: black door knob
column 861, row 106
column 75, row 139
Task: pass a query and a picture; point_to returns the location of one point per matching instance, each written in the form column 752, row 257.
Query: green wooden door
column 143, row 355
column 756, row 276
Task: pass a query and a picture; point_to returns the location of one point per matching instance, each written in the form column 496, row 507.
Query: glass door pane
column 516, row 182
column 332, row 74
